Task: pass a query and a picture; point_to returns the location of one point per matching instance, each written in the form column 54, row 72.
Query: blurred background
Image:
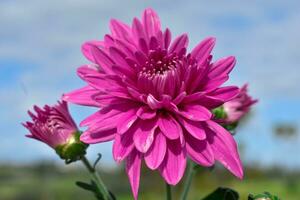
column 40, row 51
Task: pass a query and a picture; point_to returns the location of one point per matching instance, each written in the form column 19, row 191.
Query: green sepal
column 219, row 113
column 230, row 127
column 264, row 196
column 73, row 150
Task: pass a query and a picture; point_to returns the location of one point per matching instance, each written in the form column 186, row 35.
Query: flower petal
column 179, row 43
column 196, row 112
column 167, row 38
column 126, row 121
column 202, row 51
column 144, row 135
column 81, row 96
column 97, row 137
column 173, row 166
column 137, row 30
column 102, row 59
column 155, row 155
column 224, row 148
column 169, row 126
column 199, row 151
column 195, row 128
column 120, row 30
column 123, row 145
column 222, row 67
column 151, row 22
column 86, row 49
column 225, row 93
column 146, row 113
column 133, row 170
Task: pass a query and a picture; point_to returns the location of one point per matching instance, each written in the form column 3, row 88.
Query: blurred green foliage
column 45, row 181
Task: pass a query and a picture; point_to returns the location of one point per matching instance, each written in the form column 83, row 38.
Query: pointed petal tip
column 211, row 39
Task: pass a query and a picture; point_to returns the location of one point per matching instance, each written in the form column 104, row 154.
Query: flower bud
column 54, row 126
column 231, row 112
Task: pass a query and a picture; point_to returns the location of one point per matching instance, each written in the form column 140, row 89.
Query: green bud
column 264, row 196
column 73, row 150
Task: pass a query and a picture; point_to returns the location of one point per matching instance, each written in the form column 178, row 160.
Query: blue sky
column 40, row 51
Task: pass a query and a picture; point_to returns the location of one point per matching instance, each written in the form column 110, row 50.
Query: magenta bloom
column 239, row 106
column 156, row 99
column 51, row 125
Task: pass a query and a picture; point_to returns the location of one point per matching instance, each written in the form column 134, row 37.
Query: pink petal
column 126, row 121
column 151, row 22
column 81, row 96
column 225, row 148
column 155, row 155
column 97, row 137
column 103, row 114
column 179, row 43
column 225, row 93
column 153, row 103
column 119, row 58
column 202, row 51
column 143, row 45
column 195, row 128
column 167, row 38
column 123, row 145
column 169, row 126
column 199, row 151
column 137, row 29
column 195, row 112
column 222, row 67
column 173, row 166
column 212, row 84
column 133, row 169
column 86, row 70
column 120, row 30
column 144, row 135
column 102, row 59
column 146, row 113
column 96, row 79
column 86, row 49
column 193, row 97
column 104, row 99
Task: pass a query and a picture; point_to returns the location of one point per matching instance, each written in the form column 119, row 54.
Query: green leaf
column 92, row 187
column 85, row 186
column 223, row 194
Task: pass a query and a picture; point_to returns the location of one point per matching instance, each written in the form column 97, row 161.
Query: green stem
column 168, row 192
column 96, row 177
column 190, row 173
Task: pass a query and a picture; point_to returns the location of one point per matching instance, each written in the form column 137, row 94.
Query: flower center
column 159, row 64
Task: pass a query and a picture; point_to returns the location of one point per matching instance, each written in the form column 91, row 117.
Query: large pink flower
column 51, row 125
column 156, row 99
column 239, row 106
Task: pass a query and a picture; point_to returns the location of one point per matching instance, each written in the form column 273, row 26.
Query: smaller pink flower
column 52, row 125
column 239, row 106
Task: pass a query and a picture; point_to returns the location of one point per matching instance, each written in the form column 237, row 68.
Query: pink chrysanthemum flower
column 156, row 100
column 239, row 106
column 54, row 126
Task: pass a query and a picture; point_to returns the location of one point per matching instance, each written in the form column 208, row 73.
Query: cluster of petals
column 52, row 125
column 239, row 106
column 155, row 99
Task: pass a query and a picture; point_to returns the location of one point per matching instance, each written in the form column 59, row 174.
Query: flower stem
column 168, row 192
column 190, row 173
column 96, row 178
